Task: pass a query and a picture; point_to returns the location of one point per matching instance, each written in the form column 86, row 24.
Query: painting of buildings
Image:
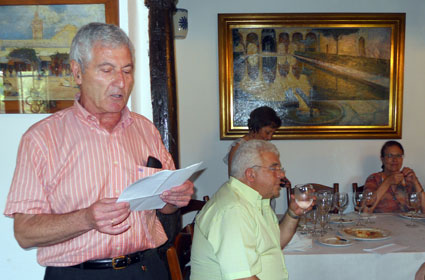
column 313, row 76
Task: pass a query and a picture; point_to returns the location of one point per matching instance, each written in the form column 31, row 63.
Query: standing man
column 237, row 234
column 72, row 166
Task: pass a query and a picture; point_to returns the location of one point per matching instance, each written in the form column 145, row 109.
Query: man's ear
column 250, row 174
column 76, row 72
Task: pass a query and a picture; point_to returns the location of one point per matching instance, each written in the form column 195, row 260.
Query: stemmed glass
column 358, row 203
column 369, row 198
column 304, row 198
column 341, row 202
column 413, row 202
column 314, row 215
column 324, row 204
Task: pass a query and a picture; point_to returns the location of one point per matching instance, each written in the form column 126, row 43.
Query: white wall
column 321, row 161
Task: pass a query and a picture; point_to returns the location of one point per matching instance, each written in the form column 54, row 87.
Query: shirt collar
column 125, row 120
column 251, row 195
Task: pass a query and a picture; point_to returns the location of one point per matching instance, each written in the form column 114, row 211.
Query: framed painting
column 333, row 76
column 35, row 37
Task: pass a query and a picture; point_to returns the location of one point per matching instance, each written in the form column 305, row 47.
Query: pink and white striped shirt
column 67, row 162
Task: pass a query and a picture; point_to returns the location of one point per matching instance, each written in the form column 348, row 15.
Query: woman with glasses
column 394, row 182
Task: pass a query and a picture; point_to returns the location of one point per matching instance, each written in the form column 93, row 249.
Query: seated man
column 237, row 234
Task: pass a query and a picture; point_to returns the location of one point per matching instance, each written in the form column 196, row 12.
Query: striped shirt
column 67, row 162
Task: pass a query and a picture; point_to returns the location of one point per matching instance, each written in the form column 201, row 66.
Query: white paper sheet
column 144, row 193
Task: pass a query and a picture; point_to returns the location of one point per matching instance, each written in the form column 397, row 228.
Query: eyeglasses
column 272, row 168
column 397, row 156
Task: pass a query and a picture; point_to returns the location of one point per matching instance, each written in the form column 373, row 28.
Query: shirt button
column 116, row 162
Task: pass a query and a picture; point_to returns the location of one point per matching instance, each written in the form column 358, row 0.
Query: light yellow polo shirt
column 237, row 236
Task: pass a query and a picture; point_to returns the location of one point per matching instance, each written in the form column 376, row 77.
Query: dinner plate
column 413, row 216
column 366, row 233
column 334, row 241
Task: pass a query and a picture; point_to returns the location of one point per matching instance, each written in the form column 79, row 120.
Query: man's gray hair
column 249, row 154
column 89, row 35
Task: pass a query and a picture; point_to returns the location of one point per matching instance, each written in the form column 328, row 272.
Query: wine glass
column 358, row 203
column 414, row 203
column 314, row 213
column 341, row 202
column 369, row 198
column 324, row 203
column 304, row 195
column 304, row 198
column 323, row 220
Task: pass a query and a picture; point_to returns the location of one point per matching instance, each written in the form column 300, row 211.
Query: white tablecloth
column 327, row 262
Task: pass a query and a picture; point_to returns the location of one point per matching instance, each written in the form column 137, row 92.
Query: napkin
column 387, row 248
column 299, row 242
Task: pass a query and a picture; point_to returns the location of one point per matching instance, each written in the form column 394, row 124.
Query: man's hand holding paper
column 154, row 192
column 177, row 197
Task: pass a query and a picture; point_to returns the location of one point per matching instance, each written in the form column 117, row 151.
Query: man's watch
column 292, row 214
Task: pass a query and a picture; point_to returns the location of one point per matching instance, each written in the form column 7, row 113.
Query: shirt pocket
column 144, row 171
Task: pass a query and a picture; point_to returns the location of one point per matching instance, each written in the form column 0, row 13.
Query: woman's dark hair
column 390, row 144
column 261, row 117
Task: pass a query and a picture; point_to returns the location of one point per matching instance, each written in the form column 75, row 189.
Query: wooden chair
column 178, row 255
column 356, row 188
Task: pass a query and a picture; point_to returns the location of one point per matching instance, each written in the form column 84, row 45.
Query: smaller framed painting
column 35, row 37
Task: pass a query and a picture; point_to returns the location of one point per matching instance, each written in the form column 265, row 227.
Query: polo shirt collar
column 251, row 195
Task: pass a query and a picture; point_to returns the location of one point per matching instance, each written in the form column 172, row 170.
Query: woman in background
column 393, row 183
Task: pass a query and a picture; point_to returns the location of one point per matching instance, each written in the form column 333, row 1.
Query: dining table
column 402, row 251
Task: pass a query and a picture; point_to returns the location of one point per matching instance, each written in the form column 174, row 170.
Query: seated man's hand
column 179, row 196
column 298, row 210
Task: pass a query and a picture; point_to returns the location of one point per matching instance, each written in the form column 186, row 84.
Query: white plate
column 413, row 216
column 366, row 233
column 334, row 241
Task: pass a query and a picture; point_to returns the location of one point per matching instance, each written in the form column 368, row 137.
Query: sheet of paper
column 144, row 193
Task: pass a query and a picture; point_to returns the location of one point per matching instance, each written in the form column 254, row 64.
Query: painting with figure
column 317, row 77
column 35, row 74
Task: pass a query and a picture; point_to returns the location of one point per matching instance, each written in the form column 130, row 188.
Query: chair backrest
column 178, row 255
column 357, row 188
column 194, row 205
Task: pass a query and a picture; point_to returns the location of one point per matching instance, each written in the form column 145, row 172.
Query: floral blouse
column 392, row 201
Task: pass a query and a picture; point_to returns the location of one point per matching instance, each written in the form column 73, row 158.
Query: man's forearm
column 48, row 229
column 287, row 226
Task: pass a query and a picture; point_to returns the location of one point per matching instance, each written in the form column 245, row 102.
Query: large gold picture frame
column 327, row 75
column 35, row 37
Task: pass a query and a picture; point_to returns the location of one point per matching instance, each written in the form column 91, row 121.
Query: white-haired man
column 237, row 234
column 74, row 164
